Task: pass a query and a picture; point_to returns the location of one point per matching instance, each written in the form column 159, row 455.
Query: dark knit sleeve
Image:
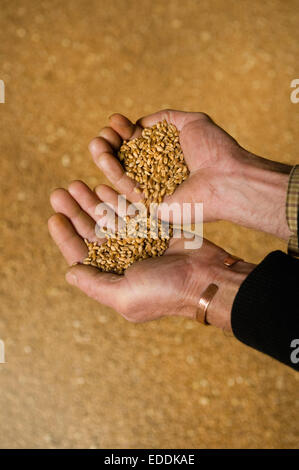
column 265, row 313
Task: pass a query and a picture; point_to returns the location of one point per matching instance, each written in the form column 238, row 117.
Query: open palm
column 209, row 151
column 149, row 289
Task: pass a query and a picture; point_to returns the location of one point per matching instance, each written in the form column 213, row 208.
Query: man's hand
column 152, row 288
column 232, row 183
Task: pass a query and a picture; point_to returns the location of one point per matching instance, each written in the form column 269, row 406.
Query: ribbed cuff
column 265, row 313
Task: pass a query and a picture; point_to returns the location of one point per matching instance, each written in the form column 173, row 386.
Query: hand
column 232, row 183
column 149, row 289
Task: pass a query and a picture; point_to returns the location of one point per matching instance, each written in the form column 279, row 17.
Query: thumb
column 171, row 209
column 185, row 204
column 108, row 289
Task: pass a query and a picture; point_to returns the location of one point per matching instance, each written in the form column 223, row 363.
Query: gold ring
column 208, row 294
column 230, row 260
column 203, row 303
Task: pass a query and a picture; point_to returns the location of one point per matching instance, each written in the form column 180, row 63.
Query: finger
column 97, row 208
column 178, row 118
column 120, row 206
column 106, row 288
column 111, row 136
column 124, row 127
column 85, row 197
column 67, row 239
column 174, row 207
column 115, row 173
column 116, row 201
column 63, row 202
column 99, row 145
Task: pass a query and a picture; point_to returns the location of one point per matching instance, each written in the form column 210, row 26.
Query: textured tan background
column 77, row 374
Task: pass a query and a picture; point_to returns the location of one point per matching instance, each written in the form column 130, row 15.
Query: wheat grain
column 155, row 161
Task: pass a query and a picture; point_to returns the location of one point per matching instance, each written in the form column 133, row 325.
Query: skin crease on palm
column 172, row 284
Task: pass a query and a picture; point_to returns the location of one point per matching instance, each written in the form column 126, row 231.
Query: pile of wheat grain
column 156, row 162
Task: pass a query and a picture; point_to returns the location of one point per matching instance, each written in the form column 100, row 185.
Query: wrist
column 229, row 281
column 257, row 194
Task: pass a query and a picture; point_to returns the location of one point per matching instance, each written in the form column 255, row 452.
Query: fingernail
column 71, row 278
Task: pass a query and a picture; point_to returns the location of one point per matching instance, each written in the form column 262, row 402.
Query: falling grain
column 155, row 161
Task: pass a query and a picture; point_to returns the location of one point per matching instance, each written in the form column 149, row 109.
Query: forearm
column 258, row 189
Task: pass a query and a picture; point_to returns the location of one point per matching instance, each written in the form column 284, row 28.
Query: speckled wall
column 77, row 374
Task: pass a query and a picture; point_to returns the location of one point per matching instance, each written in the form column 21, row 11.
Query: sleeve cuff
column 265, row 313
